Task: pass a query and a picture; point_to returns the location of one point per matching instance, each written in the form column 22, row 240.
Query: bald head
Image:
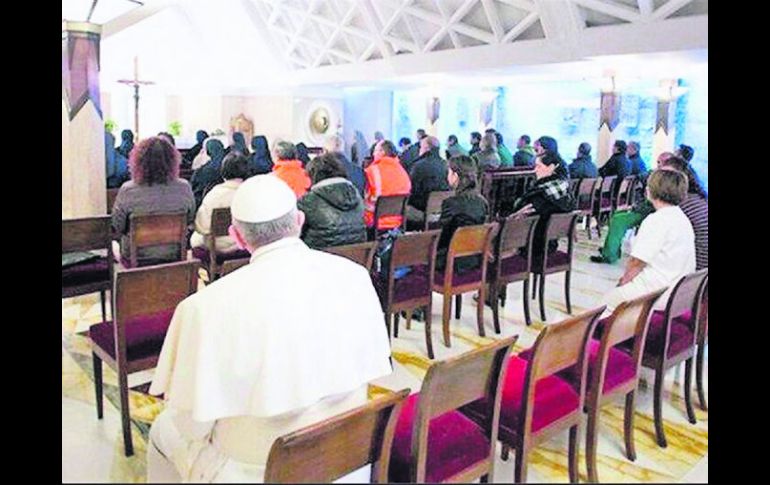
column 429, row 143
column 663, row 157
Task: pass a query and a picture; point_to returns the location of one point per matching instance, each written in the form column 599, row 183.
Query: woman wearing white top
column 664, row 248
column 235, row 169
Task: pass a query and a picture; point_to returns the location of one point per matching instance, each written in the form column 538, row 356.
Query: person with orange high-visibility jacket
column 385, row 176
column 289, row 169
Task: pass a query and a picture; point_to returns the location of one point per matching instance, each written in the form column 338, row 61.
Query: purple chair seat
column 454, row 444
column 513, row 265
column 86, row 273
column 681, row 334
column 471, row 276
column 556, row 258
column 144, row 335
column 202, row 253
column 414, row 285
column 620, row 367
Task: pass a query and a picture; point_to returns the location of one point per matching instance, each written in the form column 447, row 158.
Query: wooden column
column 608, row 121
column 432, row 113
column 665, row 129
column 84, row 185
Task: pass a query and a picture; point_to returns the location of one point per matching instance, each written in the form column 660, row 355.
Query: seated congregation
column 311, row 262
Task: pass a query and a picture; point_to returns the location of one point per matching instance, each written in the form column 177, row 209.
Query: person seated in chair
column 582, row 166
column 428, row 174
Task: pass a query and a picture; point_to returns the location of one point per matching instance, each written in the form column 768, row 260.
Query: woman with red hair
column 155, row 187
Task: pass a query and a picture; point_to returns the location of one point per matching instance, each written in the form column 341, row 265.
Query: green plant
column 175, row 128
column 110, row 125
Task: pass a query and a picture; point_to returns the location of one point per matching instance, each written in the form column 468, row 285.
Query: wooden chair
column 388, row 206
column 147, row 230
column 703, row 336
column 433, row 208
column 331, row 449
column 144, row 300
column 537, row 404
column 624, row 199
column 466, row 241
column 435, row 441
column 558, row 226
column 111, row 195
column 573, row 186
column 671, row 339
column 232, row 264
column 414, row 290
column 509, row 265
column 603, row 201
column 614, row 372
column 585, row 199
column 361, row 253
column 211, row 258
column 85, row 234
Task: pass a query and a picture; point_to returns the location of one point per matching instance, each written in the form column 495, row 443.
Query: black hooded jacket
column 210, row 173
column 260, row 161
column 334, row 214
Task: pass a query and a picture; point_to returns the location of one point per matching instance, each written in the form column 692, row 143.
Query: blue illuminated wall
column 692, row 121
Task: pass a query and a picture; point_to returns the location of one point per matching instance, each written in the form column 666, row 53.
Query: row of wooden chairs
column 598, row 197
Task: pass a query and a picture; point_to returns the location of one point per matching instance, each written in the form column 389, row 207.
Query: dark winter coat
column 463, row 209
column 428, row 174
column 582, row 168
column 334, row 214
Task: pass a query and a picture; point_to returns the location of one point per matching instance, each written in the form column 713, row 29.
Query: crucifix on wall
column 136, row 83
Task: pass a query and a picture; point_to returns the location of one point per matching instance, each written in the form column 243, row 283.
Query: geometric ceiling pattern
column 315, row 33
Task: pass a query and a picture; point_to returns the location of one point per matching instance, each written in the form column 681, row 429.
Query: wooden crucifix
column 136, row 83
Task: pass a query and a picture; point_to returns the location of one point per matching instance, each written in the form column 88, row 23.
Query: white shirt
column 219, row 197
column 666, row 242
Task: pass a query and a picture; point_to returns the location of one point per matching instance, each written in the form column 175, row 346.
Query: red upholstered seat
column 458, row 279
column 414, row 285
column 620, row 367
column 144, row 335
column 681, row 334
column 202, row 253
column 83, row 274
column 454, row 443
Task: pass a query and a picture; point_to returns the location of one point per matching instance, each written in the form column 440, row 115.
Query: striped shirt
column 696, row 208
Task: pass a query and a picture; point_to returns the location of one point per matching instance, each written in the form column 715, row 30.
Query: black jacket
column 544, row 206
column 523, row 158
column 428, row 174
column 409, row 156
column 464, row 209
column 618, row 164
column 260, row 162
column 334, row 214
column 638, row 166
column 582, row 168
column 355, row 175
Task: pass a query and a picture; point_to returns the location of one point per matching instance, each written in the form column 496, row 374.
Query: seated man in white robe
column 284, row 342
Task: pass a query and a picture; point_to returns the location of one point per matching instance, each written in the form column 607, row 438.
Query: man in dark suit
column 428, row 174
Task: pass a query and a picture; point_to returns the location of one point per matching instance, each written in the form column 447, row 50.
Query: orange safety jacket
column 291, row 172
column 385, row 176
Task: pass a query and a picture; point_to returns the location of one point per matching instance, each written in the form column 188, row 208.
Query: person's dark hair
column 467, row 171
column 552, row 158
column 693, row 184
column 154, row 161
column 421, row 133
column 168, row 137
column 490, row 130
column 687, row 152
column 669, row 186
column 404, row 142
column 389, row 148
column 621, row 146
column 452, row 138
column 326, row 166
column 584, row 148
column 526, row 139
column 635, row 144
column 476, row 135
column 548, row 143
column 235, row 166
column 302, row 154
column 201, row 136
column 499, row 138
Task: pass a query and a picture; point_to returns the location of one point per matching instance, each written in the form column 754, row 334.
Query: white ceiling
column 249, row 46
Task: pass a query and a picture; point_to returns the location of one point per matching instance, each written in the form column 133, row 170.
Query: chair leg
column 409, row 320
column 459, row 305
column 566, row 291
column 628, row 426
column 125, row 413
column 591, row 441
column 699, row 377
column 484, row 478
column 588, row 226
column 387, row 323
column 534, row 285
column 428, row 335
column 542, row 297
column 495, row 290
column 103, row 294
column 480, row 312
column 660, row 434
column 688, row 391
column 527, row 318
column 446, row 314
column 98, row 386
column 396, row 319
column 520, row 465
column 503, row 295
column 599, row 226
column 573, row 454
column 505, row 452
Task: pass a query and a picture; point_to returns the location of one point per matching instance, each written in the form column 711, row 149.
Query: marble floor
column 92, row 450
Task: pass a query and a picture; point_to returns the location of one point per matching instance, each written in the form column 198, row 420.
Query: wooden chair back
column 220, row 222
column 455, row 382
column 86, row 233
column 470, row 241
column 562, row 225
column 390, row 205
column 152, row 289
column 433, row 208
column 586, row 194
column 148, row 230
column 573, row 186
column 624, row 195
column 685, row 296
column 331, row 449
column 413, row 249
column 361, row 253
column 111, row 195
column 515, row 233
column 703, row 325
column 232, row 264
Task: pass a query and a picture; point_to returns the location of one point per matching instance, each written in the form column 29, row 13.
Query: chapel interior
column 303, row 71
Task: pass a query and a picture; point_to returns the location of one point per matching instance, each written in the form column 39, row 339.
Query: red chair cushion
column 202, row 253
column 464, row 278
column 415, row 284
column 82, row 274
column 620, row 367
column 144, row 335
column 681, row 334
column 454, row 444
